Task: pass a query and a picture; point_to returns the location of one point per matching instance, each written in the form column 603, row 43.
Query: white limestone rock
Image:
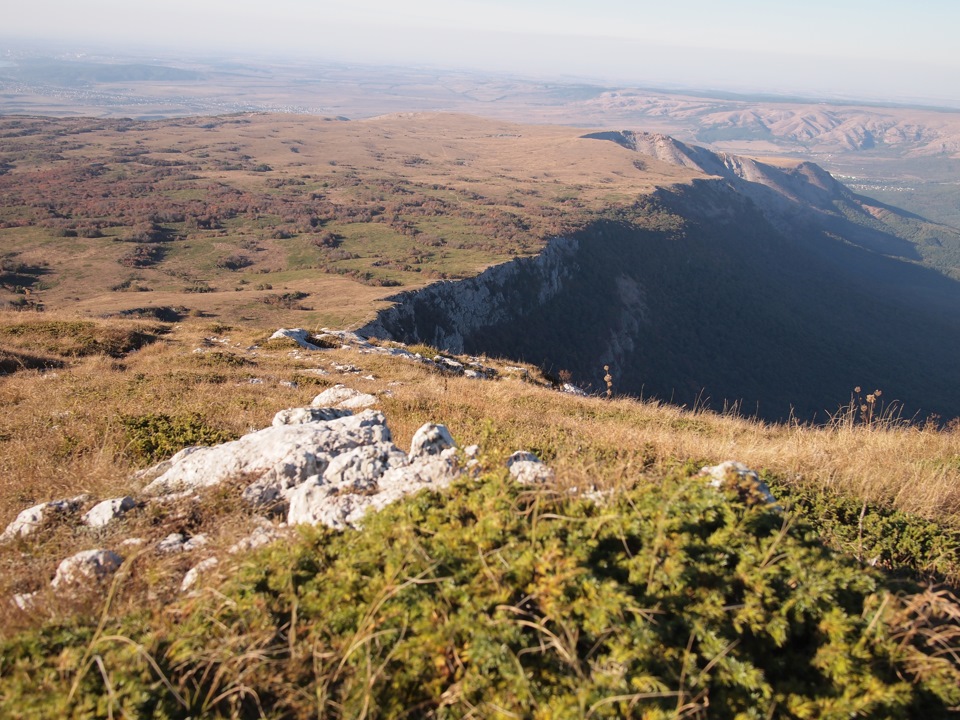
column 105, row 512
column 318, row 502
column 527, row 469
column 732, row 475
column 431, row 439
column 31, row 519
column 197, row 541
column 299, row 335
column 340, row 396
column 275, row 457
column 298, row 416
column 359, row 469
column 374, row 476
column 195, row 573
column 89, row 565
column 171, row 543
column 24, row 601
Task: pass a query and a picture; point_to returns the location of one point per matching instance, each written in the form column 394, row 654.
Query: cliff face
column 451, row 315
column 763, row 292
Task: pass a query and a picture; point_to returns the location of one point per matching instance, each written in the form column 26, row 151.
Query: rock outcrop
column 444, row 314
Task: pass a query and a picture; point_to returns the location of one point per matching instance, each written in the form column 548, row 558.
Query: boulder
column 31, row 519
column 107, row 511
column 320, row 502
column 431, row 439
column 95, row 565
column 527, row 469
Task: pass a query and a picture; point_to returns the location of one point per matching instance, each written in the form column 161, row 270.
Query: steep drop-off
column 773, row 289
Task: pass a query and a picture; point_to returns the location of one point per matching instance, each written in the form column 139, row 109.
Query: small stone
column 171, row 543
column 105, row 512
column 731, row 475
column 24, row 601
column 195, row 573
column 261, row 536
column 87, row 565
column 346, row 368
column 30, row 520
column 197, row 541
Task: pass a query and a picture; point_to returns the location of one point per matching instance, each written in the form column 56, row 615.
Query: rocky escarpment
column 449, row 315
column 773, row 289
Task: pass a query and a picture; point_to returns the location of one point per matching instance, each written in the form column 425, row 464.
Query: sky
column 880, row 50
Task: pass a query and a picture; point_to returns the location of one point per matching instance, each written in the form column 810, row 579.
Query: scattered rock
column 132, row 542
column 87, row 565
column 196, row 572
column 298, row 416
column 31, row 519
column 731, row 475
column 107, row 511
column 527, row 469
column 449, row 365
column 340, row 396
column 574, row 390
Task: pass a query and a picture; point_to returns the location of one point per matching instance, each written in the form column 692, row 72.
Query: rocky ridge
column 328, row 464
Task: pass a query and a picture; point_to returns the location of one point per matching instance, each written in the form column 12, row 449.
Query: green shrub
column 878, row 534
column 154, row 437
column 672, row 600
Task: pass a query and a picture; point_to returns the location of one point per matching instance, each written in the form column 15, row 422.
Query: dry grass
column 62, row 433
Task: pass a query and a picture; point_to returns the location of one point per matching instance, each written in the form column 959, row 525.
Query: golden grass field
column 67, row 430
column 410, row 198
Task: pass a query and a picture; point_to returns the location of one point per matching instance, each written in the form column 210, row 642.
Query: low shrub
column 671, row 600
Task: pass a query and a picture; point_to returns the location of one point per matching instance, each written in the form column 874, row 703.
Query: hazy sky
column 878, row 49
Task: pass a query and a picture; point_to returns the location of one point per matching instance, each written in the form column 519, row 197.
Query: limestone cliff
column 772, row 288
